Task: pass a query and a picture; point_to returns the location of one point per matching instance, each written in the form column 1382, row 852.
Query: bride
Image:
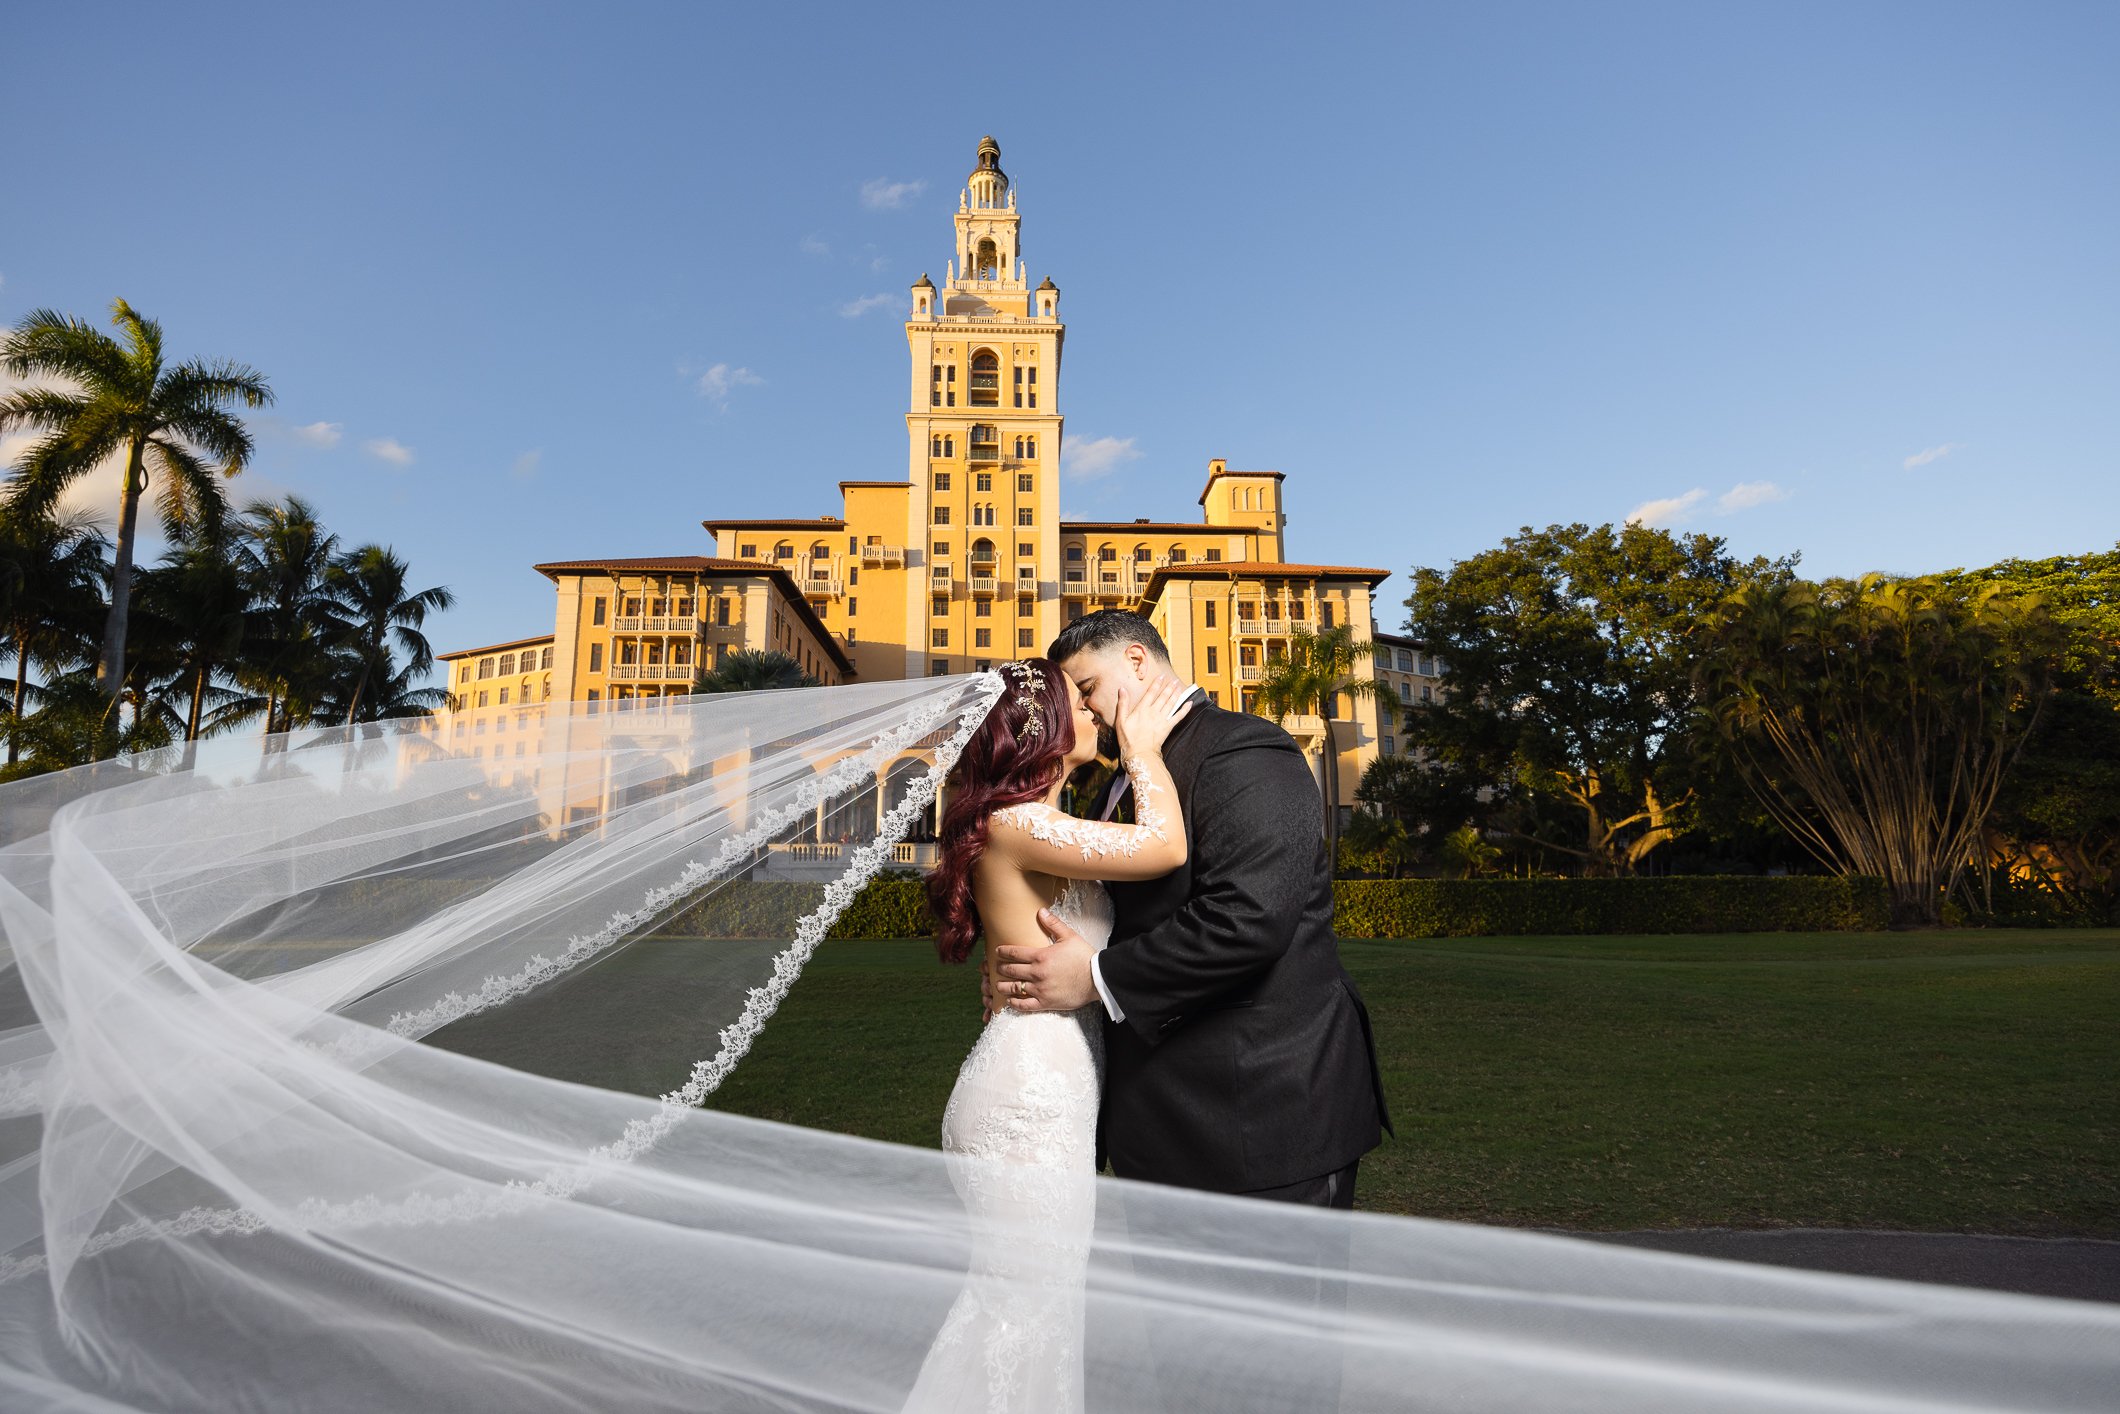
column 1020, row 1126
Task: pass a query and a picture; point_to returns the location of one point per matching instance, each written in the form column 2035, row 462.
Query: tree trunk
column 14, row 743
column 198, row 692
column 110, row 667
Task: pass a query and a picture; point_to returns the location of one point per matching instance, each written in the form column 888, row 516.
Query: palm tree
column 750, row 670
column 105, row 398
column 366, row 608
column 51, row 592
column 285, row 554
column 1304, row 682
column 195, row 610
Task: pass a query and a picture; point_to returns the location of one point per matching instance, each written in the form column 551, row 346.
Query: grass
column 1952, row 1081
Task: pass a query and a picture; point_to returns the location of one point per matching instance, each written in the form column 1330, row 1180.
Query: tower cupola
column 987, row 188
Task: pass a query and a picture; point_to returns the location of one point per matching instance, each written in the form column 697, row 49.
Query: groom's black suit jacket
column 1245, row 1059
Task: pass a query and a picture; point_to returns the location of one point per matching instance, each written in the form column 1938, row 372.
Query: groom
column 1238, row 1052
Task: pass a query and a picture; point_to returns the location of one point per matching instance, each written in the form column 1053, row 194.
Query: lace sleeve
column 1143, row 849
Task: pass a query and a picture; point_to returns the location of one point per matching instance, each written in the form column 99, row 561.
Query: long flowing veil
column 239, row 1170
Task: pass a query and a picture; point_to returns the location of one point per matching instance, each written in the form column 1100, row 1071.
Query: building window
column 507, row 664
column 853, row 574
column 1427, row 693
column 1025, row 482
column 463, row 674
column 783, row 551
column 982, row 608
column 597, row 609
column 1024, row 550
column 1324, row 614
column 596, row 657
column 1074, row 553
column 1030, row 447
column 1024, row 516
column 1213, row 556
column 504, row 697
column 982, row 638
column 1387, row 746
column 1209, row 609
column 942, row 481
column 941, row 604
column 853, row 608
column 482, row 702
column 1034, row 401
column 938, row 638
column 1106, row 554
column 485, row 668
column 1023, row 638
column 1141, row 555
column 986, row 379
column 984, row 481
column 747, row 552
column 721, row 612
column 1214, row 662
column 1177, row 554
column 1019, row 403
column 942, row 515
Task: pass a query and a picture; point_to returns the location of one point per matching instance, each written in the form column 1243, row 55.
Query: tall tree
column 1307, row 681
column 1878, row 718
column 195, row 617
column 1567, row 654
column 369, row 615
column 753, row 670
column 285, row 553
column 52, row 572
column 101, row 399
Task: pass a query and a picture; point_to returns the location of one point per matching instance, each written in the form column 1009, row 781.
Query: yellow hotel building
column 964, row 561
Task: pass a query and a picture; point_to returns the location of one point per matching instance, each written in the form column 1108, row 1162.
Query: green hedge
column 1392, row 908
column 1705, row 903
column 887, row 908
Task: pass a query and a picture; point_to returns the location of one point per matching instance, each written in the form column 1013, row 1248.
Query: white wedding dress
column 1021, row 1133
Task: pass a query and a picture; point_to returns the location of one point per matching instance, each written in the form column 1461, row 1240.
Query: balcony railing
column 1074, row 586
column 879, row 555
column 941, row 577
column 1249, row 672
column 985, row 452
column 815, row 588
column 626, row 625
column 983, row 586
column 675, row 672
column 1026, row 580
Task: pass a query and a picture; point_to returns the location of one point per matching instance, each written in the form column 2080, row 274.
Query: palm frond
column 144, row 334
column 40, row 407
column 47, row 343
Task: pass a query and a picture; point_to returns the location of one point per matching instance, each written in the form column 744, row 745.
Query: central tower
column 983, row 444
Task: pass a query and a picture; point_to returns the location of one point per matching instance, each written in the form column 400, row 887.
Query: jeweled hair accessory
column 1028, row 681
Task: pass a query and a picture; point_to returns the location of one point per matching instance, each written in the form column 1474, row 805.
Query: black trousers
column 1331, row 1190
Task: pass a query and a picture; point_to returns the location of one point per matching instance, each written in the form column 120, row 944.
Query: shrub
column 1440, row 908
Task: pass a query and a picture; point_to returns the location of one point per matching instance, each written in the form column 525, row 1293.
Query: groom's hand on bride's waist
column 1055, row 978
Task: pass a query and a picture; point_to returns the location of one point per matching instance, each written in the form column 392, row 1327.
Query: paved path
column 2084, row 1269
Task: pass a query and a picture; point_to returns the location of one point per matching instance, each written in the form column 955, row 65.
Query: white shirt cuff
column 1096, row 976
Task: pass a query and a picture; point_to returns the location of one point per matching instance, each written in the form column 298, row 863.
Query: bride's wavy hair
column 1002, row 764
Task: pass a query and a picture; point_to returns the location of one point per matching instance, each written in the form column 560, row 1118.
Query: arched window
column 820, row 551
column 949, row 446
column 1236, row 502
column 1019, row 449
column 1074, row 553
column 1030, row 445
column 934, row 446
column 507, row 664
column 986, row 379
column 784, row 551
column 1106, row 553
column 986, row 263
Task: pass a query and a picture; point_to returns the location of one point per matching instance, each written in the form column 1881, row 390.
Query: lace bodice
column 1021, row 1128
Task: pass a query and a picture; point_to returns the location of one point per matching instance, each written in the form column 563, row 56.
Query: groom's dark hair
column 1105, row 629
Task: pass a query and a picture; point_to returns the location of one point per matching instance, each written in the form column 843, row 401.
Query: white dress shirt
column 1096, row 973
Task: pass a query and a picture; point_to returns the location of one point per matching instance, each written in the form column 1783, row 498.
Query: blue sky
column 538, row 283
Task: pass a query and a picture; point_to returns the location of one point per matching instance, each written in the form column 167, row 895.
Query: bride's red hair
column 1001, row 765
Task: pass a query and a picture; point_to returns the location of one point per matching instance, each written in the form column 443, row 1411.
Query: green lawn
column 1958, row 1081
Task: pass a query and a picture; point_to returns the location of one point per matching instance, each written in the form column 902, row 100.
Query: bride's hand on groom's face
column 1055, row 978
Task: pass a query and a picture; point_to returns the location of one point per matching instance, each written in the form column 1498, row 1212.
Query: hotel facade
column 964, row 561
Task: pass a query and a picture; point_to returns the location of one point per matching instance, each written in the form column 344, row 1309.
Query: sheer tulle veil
column 240, row 1171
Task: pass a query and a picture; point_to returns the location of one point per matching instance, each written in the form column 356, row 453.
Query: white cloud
column 390, row 449
column 1667, row 510
column 883, row 194
column 1931, row 455
column 813, row 245
column 1087, row 458
column 320, row 434
column 854, row 309
column 1747, row 494
column 526, row 465
column 878, row 263
column 722, row 379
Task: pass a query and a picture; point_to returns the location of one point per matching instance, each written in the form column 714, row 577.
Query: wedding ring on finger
column 1023, row 989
